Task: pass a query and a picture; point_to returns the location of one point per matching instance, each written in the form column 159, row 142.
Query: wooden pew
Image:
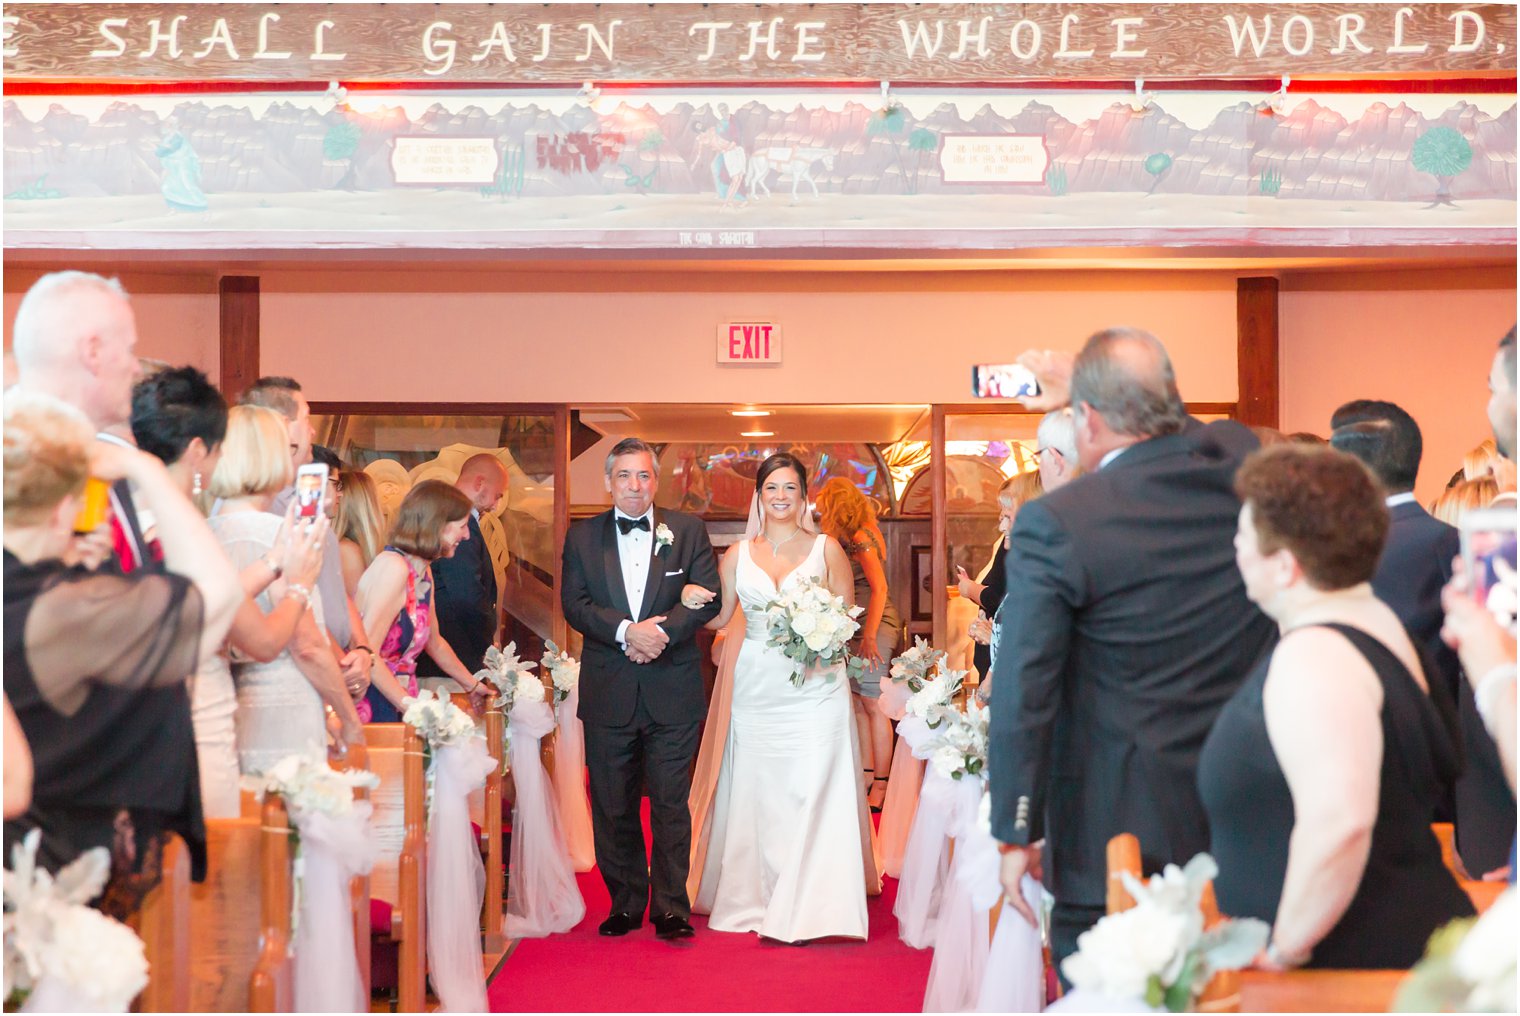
column 1481, row 893
column 1319, row 990
column 240, row 948
column 357, row 759
column 492, row 850
column 163, row 924
column 400, row 872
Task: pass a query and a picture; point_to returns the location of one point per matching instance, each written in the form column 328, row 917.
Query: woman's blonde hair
column 1464, row 496
column 1020, row 489
column 1485, row 460
column 425, row 510
column 47, row 455
column 843, row 510
column 255, row 454
column 359, row 515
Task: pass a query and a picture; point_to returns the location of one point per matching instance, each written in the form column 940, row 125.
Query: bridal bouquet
column 962, row 750
column 912, row 668
column 511, row 676
column 563, row 669
column 312, row 787
column 1469, row 965
column 934, row 701
column 59, row 952
column 439, row 722
column 1157, row 951
column 813, row 627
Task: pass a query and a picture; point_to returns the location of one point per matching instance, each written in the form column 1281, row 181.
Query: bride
column 781, row 837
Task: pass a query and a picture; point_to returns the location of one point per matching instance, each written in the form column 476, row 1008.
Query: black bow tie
column 627, row 525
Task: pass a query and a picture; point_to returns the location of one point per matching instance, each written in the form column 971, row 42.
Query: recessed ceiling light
column 749, row 412
column 757, row 433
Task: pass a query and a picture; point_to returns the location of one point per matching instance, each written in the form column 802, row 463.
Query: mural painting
column 670, row 168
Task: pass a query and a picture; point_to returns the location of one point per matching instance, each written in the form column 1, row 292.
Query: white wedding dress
column 789, row 850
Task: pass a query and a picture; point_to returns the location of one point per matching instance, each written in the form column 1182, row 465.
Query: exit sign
column 749, row 342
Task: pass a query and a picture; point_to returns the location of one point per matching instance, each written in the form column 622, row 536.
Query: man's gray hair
column 1125, row 375
column 36, row 331
column 631, row 446
column 1058, row 430
column 277, row 393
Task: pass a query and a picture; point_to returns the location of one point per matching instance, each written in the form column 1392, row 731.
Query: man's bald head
column 1125, row 375
column 74, row 338
column 482, row 479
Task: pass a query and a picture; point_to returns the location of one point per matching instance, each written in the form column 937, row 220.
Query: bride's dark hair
column 781, row 460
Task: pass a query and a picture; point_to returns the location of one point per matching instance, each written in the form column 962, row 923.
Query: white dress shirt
column 634, row 549
column 1112, row 455
column 1395, row 500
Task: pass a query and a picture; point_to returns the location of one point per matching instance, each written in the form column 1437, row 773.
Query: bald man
column 464, row 600
column 1125, row 630
column 75, row 338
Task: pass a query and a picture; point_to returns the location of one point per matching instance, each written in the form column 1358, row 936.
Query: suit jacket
column 595, row 603
column 1415, row 565
column 1125, row 630
column 464, row 602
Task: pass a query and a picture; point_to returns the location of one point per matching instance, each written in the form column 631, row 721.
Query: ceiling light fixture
column 757, row 433
column 749, row 412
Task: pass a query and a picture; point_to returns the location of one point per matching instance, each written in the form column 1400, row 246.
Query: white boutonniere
column 663, row 537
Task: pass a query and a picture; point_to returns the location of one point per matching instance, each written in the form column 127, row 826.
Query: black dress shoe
column 671, row 926
column 620, row 924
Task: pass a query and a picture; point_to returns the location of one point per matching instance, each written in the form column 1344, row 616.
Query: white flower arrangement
column 934, row 701
column 311, row 786
column 813, row 627
column 1157, row 951
column 663, row 537
column 52, row 936
column 962, row 749
column 1469, row 965
column 438, row 721
column 913, row 667
column 511, row 676
column 563, row 669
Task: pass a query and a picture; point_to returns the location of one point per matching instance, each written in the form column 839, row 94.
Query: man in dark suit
column 1414, row 568
column 464, row 586
column 1125, row 629
column 642, row 700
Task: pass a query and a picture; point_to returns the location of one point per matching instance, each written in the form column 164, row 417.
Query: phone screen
column 311, row 491
column 1003, row 381
column 1488, row 549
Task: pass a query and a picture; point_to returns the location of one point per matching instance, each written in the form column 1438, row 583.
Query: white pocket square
column 678, row 571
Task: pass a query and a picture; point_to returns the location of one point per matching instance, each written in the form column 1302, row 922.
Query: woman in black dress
column 96, row 662
column 1321, row 774
column 987, row 590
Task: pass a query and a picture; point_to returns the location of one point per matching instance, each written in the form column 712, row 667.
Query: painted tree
column 341, row 144
column 1157, row 166
column 921, row 140
column 891, row 123
column 1443, row 153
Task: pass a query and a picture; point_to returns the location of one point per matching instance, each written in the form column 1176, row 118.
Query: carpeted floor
column 715, row 972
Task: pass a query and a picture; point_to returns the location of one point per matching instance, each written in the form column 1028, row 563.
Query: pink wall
column 177, row 314
column 1424, row 340
column 848, row 337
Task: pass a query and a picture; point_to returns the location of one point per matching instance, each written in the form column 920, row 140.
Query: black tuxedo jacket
column 1415, row 565
column 464, row 601
column 595, row 603
column 1125, row 629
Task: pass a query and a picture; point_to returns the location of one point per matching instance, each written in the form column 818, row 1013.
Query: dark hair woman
column 1322, row 772
column 396, row 599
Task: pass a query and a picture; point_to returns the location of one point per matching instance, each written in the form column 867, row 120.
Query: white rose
column 829, row 624
column 1486, row 957
column 947, row 759
column 804, row 624
column 529, row 688
column 817, row 641
column 1120, row 953
column 96, row 956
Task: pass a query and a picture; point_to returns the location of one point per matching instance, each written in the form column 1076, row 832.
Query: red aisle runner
column 715, row 972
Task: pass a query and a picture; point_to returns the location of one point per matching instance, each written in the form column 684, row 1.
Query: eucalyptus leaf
column 1233, row 944
column 1179, row 996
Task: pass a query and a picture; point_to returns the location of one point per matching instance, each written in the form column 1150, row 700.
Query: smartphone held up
column 1003, row 381
column 311, row 492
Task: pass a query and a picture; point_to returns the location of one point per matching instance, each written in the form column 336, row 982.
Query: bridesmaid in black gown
column 1321, row 775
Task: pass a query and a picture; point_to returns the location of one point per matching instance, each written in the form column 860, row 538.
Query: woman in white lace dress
column 279, row 702
column 782, row 846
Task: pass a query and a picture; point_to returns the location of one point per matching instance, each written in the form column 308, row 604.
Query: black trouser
column 1067, row 921
column 622, row 762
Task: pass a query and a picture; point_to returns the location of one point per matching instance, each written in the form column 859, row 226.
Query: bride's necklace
column 776, row 545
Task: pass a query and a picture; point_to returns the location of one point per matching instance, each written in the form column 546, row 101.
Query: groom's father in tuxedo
column 1125, row 629
column 642, row 698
